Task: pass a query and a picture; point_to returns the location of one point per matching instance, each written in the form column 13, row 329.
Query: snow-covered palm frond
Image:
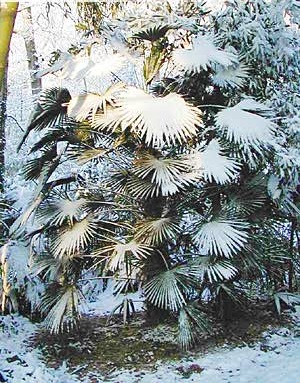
column 203, row 54
column 76, row 68
column 83, row 106
column 167, row 173
column 191, row 322
column 234, row 77
column 156, row 230
column 74, row 238
column 159, row 120
column 57, row 211
column 206, row 267
column 124, row 253
column 212, row 165
column 163, row 291
column 250, row 104
column 62, row 308
column 244, row 127
column 221, row 237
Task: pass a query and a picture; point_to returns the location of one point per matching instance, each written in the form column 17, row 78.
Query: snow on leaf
column 167, row 173
column 212, row 165
column 155, row 230
column 234, row 77
column 244, row 127
column 202, row 55
column 83, row 106
column 71, row 240
column 62, row 309
column 57, row 211
column 159, row 120
column 221, row 237
column 67, row 208
column 120, row 250
column 80, row 107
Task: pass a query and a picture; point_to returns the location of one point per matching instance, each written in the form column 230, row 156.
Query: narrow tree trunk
column 8, row 12
column 33, row 65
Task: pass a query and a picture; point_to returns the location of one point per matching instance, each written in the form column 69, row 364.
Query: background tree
column 8, row 12
column 33, row 65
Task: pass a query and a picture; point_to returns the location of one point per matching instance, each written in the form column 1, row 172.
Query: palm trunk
column 33, row 65
column 8, row 12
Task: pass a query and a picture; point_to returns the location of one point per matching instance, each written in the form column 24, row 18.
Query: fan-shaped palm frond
column 202, row 55
column 212, row 165
column 86, row 105
column 249, row 198
column 163, row 291
column 221, row 237
column 57, row 211
column 50, row 268
column 74, row 238
column 140, row 188
column 203, row 267
column 159, row 120
column 234, row 77
column 154, row 231
column 62, row 307
column 33, row 168
column 191, row 322
column 82, row 106
column 49, row 112
column 244, row 127
column 167, row 173
column 121, row 254
column 153, row 33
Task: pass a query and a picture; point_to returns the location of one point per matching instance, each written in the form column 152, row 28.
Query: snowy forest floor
column 247, row 351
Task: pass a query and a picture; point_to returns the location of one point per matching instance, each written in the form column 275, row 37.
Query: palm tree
column 180, row 203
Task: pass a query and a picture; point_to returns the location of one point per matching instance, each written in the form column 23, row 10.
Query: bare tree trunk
column 33, row 65
column 8, row 12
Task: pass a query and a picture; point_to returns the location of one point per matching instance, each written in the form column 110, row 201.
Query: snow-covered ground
column 276, row 358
